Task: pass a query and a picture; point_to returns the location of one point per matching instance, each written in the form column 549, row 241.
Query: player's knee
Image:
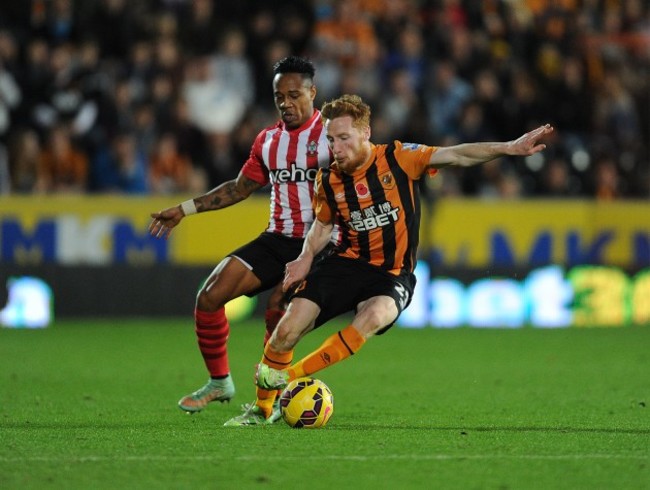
column 207, row 302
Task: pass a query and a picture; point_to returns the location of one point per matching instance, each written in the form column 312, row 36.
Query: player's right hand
column 164, row 221
column 295, row 272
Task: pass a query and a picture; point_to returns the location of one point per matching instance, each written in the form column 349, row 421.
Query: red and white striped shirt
column 289, row 159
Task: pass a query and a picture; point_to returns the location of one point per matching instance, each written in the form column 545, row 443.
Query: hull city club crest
column 387, row 180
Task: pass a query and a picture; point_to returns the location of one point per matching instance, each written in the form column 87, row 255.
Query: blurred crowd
column 166, row 96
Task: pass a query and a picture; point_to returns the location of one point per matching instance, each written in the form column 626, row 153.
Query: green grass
column 92, row 404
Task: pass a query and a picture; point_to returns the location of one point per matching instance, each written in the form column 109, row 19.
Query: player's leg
column 382, row 300
column 276, row 305
column 296, row 322
column 275, row 308
column 278, row 351
column 278, row 300
column 252, row 268
column 374, row 314
column 267, row 256
column 329, row 290
column 230, row 279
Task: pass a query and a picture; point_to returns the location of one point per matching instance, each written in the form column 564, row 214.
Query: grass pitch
column 92, row 404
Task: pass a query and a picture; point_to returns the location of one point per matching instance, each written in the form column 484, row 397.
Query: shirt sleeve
column 254, row 168
column 414, row 158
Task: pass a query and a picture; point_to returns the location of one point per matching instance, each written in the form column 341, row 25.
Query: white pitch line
column 379, row 457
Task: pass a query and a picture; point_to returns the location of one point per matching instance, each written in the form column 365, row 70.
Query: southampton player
column 371, row 193
column 287, row 155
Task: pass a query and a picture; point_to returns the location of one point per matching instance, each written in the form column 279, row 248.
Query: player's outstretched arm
column 468, row 154
column 222, row 196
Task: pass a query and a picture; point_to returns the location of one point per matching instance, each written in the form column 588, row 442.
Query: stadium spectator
column 167, row 60
column 489, row 95
column 409, row 55
column 169, row 171
column 115, row 26
column 297, row 21
column 573, row 101
column 58, row 24
column 258, row 265
column 62, row 167
column 162, row 100
column 557, row 181
column 5, row 176
column 24, row 157
column 446, row 99
column 192, row 142
column 583, row 64
column 120, row 168
column 371, row 273
column 10, row 97
column 232, row 66
column 402, row 105
column 139, row 69
column 616, row 116
column 145, row 128
column 215, row 105
column 523, row 106
column 66, row 103
column 607, row 184
column 262, row 31
column 347, row 35
column 270, row 53
column 35, row 77
column 198, row 26
column 220, row 155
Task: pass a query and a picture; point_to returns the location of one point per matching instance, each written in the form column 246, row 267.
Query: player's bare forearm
column 220, row 197
column 317, row 238
column 226, row 194
column 468, row 154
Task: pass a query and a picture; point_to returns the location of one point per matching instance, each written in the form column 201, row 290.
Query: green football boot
column 215, row 390
column 271, row 379
column 253, row 416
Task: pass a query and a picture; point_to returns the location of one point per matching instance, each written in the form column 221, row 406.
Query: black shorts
column 267, row 256
column 337, row 285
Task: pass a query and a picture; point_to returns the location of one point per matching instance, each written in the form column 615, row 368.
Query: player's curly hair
column 295, row 64
column 348, row 105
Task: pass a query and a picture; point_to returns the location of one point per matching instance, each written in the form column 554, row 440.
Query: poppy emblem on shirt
column 362, row 190
column 312, row 147
column 387, row 180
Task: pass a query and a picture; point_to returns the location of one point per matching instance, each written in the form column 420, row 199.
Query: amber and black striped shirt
column 377, row 207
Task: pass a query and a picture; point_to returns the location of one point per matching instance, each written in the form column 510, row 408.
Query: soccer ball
column 306, row 402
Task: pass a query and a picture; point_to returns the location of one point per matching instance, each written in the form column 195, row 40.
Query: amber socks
column 336, row 348
column 276, row 360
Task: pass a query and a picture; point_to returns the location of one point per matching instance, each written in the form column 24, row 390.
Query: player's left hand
column 528, row 143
